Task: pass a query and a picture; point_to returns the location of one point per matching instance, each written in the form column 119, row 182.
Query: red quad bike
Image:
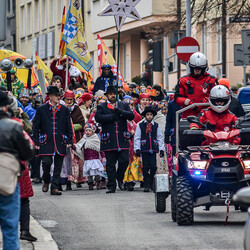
column 208, row 175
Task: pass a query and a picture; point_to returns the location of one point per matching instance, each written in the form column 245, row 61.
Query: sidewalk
column 44, row 238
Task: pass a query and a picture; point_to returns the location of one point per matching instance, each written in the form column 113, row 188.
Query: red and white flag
column 105, row 57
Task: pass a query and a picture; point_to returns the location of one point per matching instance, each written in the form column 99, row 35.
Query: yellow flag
column 46, row 71
column 74, row 36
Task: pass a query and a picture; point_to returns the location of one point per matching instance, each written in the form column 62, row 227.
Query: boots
column 26, row 235
column 91, row 186
column 68, row 187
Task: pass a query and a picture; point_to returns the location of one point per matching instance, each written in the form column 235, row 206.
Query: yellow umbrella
column 22, row 73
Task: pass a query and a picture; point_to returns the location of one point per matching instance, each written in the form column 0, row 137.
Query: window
column 204, row 39
column 52, row 13
column 219, row 41
column 60, row 10
column 22, row 21
column 29, row 18
column 44, row 14
column 37, row 15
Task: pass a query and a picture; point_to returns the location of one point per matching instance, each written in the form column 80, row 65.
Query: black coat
column 114, row 135
column 12, row 139
column 101, row 81
column 52, row 131
column 236, row 108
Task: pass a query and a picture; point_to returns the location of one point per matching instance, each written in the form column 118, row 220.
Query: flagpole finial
column 121, row 9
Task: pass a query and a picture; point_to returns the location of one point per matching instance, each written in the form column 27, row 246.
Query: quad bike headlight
column 197, row 164
column 247, row 164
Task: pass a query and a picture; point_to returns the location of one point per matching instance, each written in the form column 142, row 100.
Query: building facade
column 38, row 27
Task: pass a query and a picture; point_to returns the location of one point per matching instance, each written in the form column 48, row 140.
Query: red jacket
column 195, row 89
column 61, row 73
column 26, row 190
column 137, row 116
column 217, row 122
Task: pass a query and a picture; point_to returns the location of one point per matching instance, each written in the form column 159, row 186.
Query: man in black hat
column 114, row 137
column 148, row 141
column 14, row 146
column 106, row 79
column 159, row 96
column 52, row 133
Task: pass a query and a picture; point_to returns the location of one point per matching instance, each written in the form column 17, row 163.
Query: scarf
column 92, row 142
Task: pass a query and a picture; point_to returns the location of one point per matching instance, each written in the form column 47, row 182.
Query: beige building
column 135, row 46
column 39, row 27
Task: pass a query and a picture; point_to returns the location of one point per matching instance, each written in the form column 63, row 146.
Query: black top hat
column 110, row 89
column 149, row 109
column 4, row 99
column 53, row 90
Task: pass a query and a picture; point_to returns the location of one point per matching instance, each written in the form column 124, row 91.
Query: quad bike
column 207, row 175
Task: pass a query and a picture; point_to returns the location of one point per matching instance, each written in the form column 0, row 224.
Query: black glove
column 138, row 152
column 167, row 139
column 161, row 153
column 117, row 112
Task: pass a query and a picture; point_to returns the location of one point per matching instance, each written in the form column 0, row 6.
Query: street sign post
column 186, row 47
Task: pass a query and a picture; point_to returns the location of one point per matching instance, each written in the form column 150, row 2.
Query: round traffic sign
column 186, row 47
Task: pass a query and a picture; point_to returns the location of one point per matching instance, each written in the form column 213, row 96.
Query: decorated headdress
column 78, row 92
column 90, row 126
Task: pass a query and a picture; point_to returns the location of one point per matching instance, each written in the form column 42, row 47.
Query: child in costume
column 88, row 148
column 148, row 141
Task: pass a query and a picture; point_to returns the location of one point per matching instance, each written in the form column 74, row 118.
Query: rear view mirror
column 243, row 196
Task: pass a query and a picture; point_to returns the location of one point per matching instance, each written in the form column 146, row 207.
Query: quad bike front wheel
column 184, row 201
column 160, row 202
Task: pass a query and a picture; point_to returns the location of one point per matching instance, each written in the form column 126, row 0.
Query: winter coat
column 30, row 111
column 85, row 113
column 236, row 108
column 52, row 130
column 171, row 122
column 114, row 134
column 161, row 120
column 195, row 89
column 102, row 82
column 77, row 118
column 26, row 189
column 61, row 73
column 138, row 117
column 12, row 139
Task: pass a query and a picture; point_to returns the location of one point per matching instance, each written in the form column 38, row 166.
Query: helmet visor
column 219, row 101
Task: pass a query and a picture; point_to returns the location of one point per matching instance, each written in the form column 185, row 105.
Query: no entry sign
column 186, row 47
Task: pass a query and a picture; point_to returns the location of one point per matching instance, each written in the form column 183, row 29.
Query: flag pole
column 67, row 73
column 117, row 75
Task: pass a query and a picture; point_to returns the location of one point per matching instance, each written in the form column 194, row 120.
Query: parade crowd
column 107, row 136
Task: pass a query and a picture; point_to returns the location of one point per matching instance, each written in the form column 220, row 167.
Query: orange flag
column 62, row 47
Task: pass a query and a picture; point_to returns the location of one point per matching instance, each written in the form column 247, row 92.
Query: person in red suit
column 217, row 117
column 196, row 86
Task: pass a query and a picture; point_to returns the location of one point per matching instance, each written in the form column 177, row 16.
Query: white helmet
column 219, row 94
column 198, row 60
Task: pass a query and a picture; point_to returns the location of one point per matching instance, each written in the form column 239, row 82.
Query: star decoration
column 121, row 9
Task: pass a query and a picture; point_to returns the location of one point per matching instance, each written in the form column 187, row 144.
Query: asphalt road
column 83, row 219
